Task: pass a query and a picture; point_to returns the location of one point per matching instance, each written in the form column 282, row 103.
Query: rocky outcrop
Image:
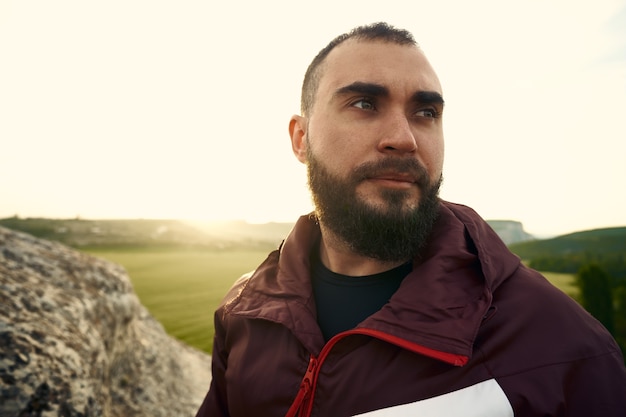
column 75, row 340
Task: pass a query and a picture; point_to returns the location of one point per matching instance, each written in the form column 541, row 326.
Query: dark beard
column 394, row 234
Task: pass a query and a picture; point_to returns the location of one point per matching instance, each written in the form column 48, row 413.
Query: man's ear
column 297, row 132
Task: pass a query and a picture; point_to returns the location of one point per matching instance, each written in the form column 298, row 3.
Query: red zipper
column 306, row 389
column 451, row 358
column 303, row 403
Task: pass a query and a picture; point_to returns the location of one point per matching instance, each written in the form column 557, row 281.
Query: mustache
column 405, row 166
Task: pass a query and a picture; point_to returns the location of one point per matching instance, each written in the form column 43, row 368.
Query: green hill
column 610, row 241
column 149, row 233
column 567, row 253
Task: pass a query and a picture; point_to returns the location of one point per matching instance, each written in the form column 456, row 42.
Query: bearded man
column 387, row 300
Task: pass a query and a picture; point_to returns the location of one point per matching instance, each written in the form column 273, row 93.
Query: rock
column 510, row 231
column 76, row 342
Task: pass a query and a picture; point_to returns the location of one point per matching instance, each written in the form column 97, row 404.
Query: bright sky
column 179, row 109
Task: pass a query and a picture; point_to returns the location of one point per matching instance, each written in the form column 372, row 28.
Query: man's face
column 375, row 128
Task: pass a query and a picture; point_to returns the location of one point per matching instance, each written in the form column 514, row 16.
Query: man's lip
column 394, row 177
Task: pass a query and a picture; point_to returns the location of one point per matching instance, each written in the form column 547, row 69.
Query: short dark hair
column 376, row 31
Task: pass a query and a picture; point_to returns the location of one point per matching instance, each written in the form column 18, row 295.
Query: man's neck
column 337, row 256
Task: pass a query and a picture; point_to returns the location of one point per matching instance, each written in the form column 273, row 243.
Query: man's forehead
column 377, row 61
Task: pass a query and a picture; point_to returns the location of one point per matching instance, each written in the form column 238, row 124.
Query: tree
column 596, row 294
column 619, row 295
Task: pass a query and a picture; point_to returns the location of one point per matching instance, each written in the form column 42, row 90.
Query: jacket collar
column 440, row 304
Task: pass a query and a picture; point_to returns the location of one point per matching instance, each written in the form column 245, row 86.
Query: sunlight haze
column 179, row 110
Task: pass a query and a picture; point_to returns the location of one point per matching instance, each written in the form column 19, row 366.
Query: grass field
column 565, row 282
column 182, row 288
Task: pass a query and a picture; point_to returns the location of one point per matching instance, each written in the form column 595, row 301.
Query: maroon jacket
column 470, row 332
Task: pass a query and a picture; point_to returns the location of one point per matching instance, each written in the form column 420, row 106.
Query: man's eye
column 364, row 104
column 431, row 113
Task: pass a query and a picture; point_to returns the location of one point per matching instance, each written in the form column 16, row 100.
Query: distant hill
column 510, row 231
column 242, row 231
column 568, row 253
column 79, row 233
column 605, row 242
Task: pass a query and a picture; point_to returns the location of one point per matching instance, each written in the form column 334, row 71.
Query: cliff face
column 510, row 231
column 75, row 340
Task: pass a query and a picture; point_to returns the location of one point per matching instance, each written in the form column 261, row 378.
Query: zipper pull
column 297, row 408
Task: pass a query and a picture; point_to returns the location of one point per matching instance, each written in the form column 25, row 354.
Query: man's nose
column 397, row 136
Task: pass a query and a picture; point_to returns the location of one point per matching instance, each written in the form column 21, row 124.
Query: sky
column 179, row 109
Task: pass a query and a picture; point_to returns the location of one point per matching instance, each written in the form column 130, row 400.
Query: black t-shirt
column 344, row 301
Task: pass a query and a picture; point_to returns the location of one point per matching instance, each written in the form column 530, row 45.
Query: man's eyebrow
column 428, row 97
column 377, row 90
column 366, row 89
